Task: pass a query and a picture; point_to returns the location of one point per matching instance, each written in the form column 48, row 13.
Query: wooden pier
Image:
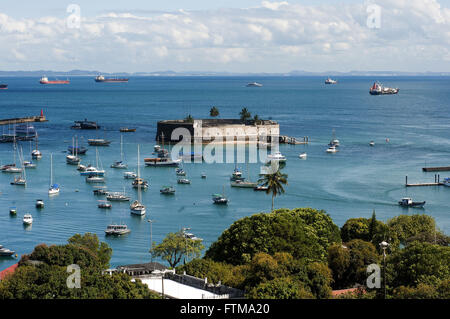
column 17, row 120
column 292, row 140
column 437, row 182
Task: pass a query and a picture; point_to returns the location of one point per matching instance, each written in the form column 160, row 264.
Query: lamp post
column 151, row 238
column 384, row 245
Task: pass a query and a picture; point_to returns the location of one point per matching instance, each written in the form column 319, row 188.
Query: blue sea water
column 351, row 183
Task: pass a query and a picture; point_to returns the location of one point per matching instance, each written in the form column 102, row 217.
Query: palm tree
column 256, row 119
column 274, row 183
column 245, row 114
column 214, row 112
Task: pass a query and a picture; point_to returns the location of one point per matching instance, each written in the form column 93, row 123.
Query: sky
column 225, row 35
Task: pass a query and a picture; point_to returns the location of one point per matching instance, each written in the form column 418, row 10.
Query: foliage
column 365, row 229
column 274, row 183
column 189, row 118
column 245, row 114
column 280, row 288
column 214, row 111
column 279, row 231
column 418, row 263
column 349, row 262
column 48, row 278
column 404, row 227
column 175, row 246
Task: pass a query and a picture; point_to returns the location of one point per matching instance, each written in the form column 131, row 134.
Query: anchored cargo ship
column 379, row 89
column 44, row 80
column 101, row 78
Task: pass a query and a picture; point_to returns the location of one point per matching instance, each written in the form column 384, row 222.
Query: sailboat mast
column 139, row 181
column 51, row 169
column 121, row 147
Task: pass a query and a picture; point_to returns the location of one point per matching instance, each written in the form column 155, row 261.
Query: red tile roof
column 8, row 271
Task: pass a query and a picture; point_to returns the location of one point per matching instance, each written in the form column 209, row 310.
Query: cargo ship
column 3, row 86
column 101, row 78
column 379, row 89
column 44, row 80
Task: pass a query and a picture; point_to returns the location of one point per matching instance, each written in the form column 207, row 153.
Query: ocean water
column 351, row 183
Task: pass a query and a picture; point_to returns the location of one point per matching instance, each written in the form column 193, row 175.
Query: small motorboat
column 167, row 190
column 27, row 219
column 98, row 142
column 117, row 197
column 53, row 190
column 117, row 230
column 276, row 157
column 39, row 203
column 126, row 129
column 129, row 175
column 219, row 199
column 104, row 204
column 372, row 143
column 13, row 211
column 332, row 149
column 95, row 179
column 203, row 175
column 139, row 182
column 180, row 172
column 5, row 252
column 29, row 164
column 183, row 181
column 303, row 156
column 137, row 208
column 100, row 190
column 408, row 202
column 119, row 164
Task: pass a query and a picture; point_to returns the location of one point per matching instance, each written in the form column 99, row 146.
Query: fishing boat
column 408, row 202
column 180, row 172
column 120, row 164
column 332, row 149
column 117, row 230
column 100, row 190
column 137, row 208
column 73, row 158
column 129, row 175
column 276, row 157
column 334, row 141
column 13, row 211
column 167, row 190
column 303, row 156
column 254, row 84
column 95, row 179
column 39, row 203
column 159, row 162
column 54, row 188
column 183, row 181
column 20, row 180
column 85, row 125
column 36, row 154
column 378, row 89
column 330, row 81
column 98, row 142
column 104, row 204
column 27, row 219
column 219, row 199
column 118, row 197
column 5, row 252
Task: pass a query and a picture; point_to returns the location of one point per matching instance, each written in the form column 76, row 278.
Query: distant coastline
column 39, row 73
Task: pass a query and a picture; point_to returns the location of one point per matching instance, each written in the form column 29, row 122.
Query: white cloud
column 268, row 38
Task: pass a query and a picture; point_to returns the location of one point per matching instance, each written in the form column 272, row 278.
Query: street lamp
column 151, row 238
column 384, row 245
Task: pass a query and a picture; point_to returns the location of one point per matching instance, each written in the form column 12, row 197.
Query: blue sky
column 231, row 35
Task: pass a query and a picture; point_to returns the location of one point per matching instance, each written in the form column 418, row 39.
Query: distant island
column 51, row 73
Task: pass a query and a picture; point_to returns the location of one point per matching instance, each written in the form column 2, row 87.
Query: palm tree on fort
column 274, row 183
column 245, row 114
column 214, row 112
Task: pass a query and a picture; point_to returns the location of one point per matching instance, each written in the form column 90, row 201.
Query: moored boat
column 408, row 202
column 378, row 89
column 117, row 230
column 45, row 80
column 27, row 219
column 168, row 190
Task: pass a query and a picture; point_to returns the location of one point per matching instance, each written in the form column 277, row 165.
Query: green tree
column 245, row 114
column 339, row 263
column 284, row 231
column 365, row 229
column 175, row 246
column 214, row 111
column 189, row 118
column 256, row 119
column 280, row 288
column 274, row 183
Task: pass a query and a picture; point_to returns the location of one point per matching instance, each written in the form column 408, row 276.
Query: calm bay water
column 348, row 184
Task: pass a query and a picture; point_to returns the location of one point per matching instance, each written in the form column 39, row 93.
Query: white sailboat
column 120, row 164
column 20, row 180
column 137, row 208
column 54, row 188
column 36, row 153
column 12, row 168
column 73, row 158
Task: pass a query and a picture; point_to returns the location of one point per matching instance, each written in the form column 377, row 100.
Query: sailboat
column 20, row 180
column 93, row 171
column 54, row 188
column 244, row 184
column 36, row 153
column 12, row 168
column 120, row 164
column 73, row 158
column 334, row 141
column 220, row 199
column 137, row 208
